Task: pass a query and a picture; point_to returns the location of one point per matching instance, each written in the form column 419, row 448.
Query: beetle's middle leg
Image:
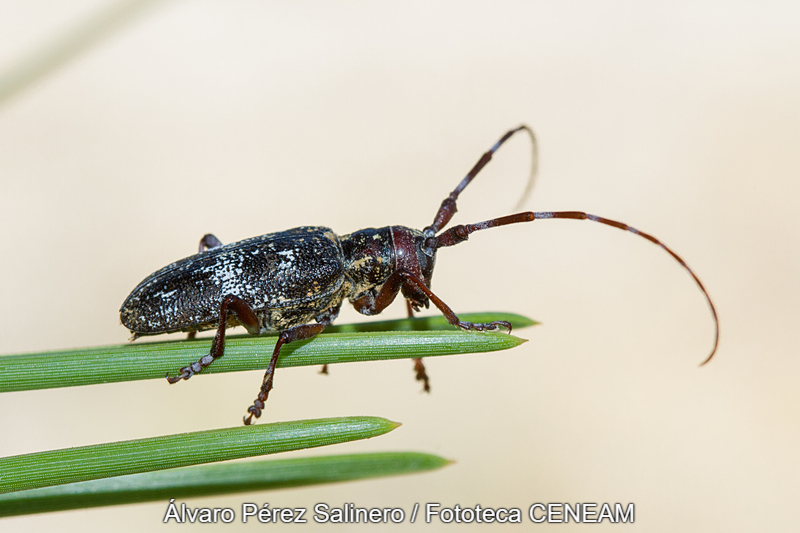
column 246, row 317
column 419, row 367
column 295, row 333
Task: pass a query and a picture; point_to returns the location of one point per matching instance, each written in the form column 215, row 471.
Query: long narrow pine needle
column 70, row 465
column 148, row 360
column 210, row 480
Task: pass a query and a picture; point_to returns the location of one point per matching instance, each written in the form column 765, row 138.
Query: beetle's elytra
column 295, row 281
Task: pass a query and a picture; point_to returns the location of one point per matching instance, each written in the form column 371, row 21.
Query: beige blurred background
column 243, row 118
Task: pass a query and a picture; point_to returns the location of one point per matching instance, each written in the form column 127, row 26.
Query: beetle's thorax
column 372, row 255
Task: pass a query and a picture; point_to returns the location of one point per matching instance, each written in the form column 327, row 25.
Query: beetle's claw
column 502, row 323
column 183, row 373
column 254, row 411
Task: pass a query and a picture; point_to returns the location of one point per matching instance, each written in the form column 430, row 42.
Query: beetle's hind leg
column 244, row 314
column 296, row 333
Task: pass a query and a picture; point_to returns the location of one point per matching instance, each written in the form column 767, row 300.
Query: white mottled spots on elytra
column 226, row 273
column 288, row 263
column 165, row 295
column 263, row 270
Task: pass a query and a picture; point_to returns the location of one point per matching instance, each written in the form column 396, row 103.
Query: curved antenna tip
column 704, row 363
column 716, row 337
column 716, row 345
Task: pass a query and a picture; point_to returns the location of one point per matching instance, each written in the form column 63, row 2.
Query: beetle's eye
column 430, row 245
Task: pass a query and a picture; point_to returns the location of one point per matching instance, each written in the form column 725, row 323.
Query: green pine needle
column 149, row 360
column 71, row 465
column 211, row 480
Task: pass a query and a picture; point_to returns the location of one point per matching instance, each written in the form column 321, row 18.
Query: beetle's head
column 372, row 255
column 416, row 253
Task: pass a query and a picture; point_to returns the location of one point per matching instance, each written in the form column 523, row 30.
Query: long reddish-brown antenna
column 461, row 233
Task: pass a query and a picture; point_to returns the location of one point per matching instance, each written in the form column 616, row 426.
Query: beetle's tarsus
column 489, row 326
column 258, row 403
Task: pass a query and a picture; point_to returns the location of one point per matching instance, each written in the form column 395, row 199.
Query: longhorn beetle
column 294, row 281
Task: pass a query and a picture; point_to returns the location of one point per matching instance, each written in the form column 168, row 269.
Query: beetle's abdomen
column 284, row 270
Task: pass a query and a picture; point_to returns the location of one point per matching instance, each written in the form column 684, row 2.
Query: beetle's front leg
column 296, row 333
column 449, row 315
column 246, row 317
column 368, row 305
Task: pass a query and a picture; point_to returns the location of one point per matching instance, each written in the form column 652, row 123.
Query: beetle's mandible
column 295, row 281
